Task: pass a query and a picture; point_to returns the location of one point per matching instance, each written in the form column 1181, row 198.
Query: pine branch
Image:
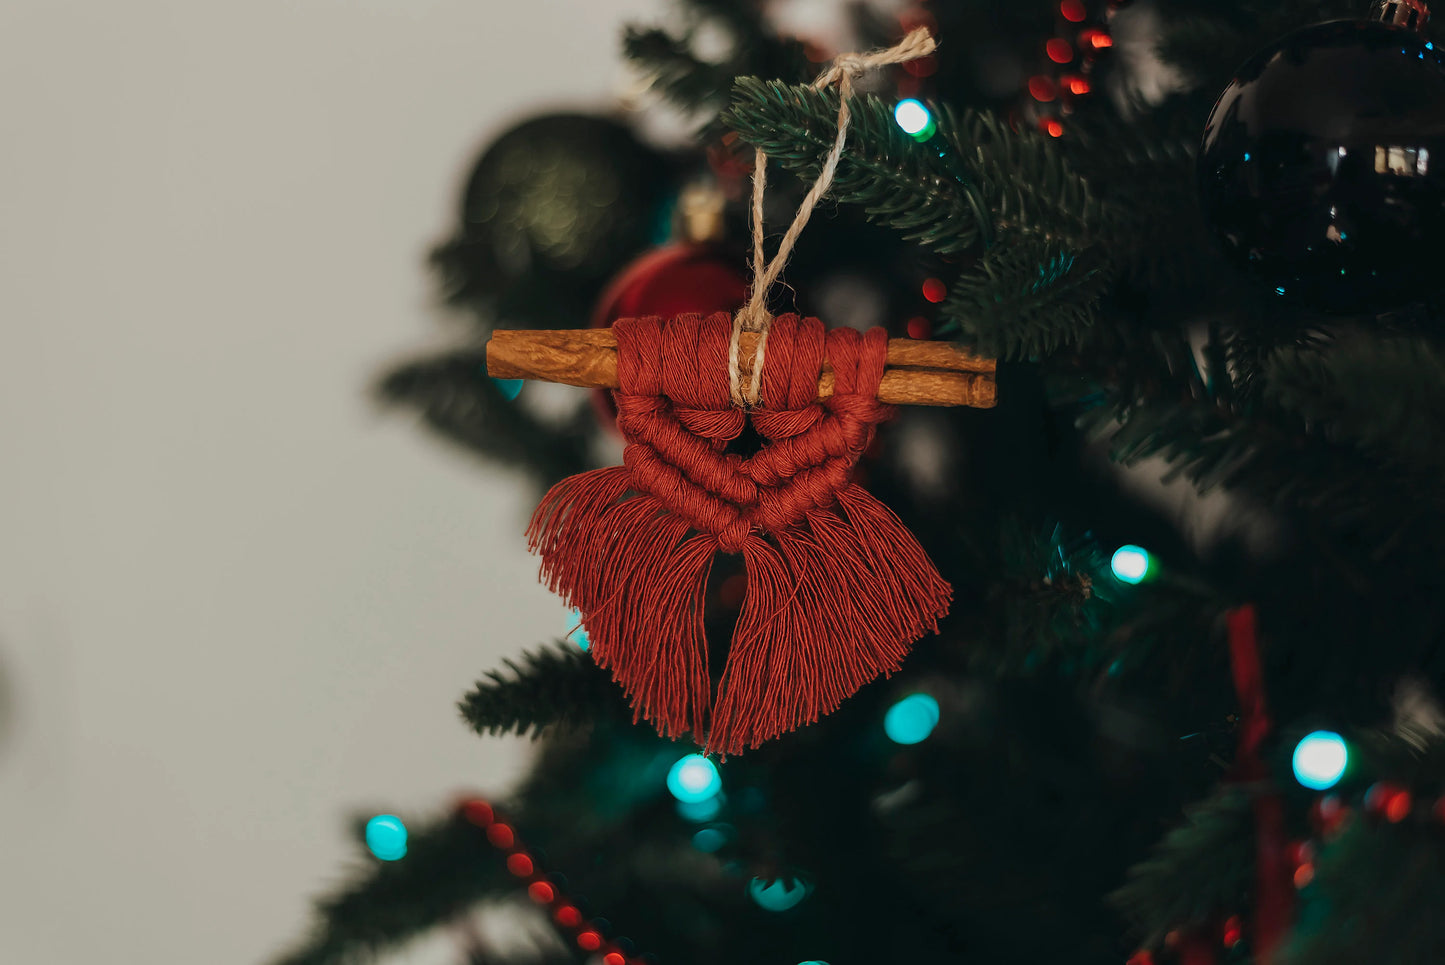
column 1198, row 871
column 449, row 867
column 1384, row 397
column 555, row 685
column 1027, row 299
column 679, row 75
column 459, row 400
column 1020, row 183
column 696, row 85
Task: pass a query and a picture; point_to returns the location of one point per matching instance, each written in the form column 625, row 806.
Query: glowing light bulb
column 1131, row 564
column 693, row 779
column 386, row 837
column 780, row 895
column 1320, row 759
column 911, row 720
column 915, row 119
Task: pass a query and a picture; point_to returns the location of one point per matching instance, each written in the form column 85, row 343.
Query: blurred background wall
column 235, row 601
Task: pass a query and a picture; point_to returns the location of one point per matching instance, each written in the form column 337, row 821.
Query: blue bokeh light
column 912, row 719
column 576, row 632
column 1320, row 760
column 915, row 119
column 386, row 837
column 1131, row 564
column 693, row 779
column 701, row 811
column 710, row 839
column 780, row 895
column 510, row 388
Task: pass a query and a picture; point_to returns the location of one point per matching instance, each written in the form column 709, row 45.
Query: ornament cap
column 1410, row 14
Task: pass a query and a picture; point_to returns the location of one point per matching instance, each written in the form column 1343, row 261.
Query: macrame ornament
column 837, row 588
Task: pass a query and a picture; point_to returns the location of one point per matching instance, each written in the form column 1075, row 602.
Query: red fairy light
column 1042, row 88
column 500, row 835
column 1060, row 51
column 589, row 941
column 519, row 864
column 541, row 892
column 1073, row 10
column 568, row 916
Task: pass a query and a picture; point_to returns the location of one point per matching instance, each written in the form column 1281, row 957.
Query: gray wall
column 234, row 600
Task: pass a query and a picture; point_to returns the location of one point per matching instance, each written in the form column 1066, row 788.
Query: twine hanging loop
column 754, row 316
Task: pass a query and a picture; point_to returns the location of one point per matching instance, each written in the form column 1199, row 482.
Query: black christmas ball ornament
column 1323, row 165
column 557, row 200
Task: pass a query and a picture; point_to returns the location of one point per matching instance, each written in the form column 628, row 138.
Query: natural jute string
column 754, row 317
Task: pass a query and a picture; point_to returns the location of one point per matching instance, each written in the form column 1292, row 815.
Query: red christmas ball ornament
column 667, row 281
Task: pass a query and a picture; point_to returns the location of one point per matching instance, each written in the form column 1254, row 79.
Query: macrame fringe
column 828, row 609
column 637, row 577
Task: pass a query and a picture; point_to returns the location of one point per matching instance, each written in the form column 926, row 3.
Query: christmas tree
column 1133, row 737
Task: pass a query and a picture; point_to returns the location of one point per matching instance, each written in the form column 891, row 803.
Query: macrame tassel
column 831, row 608
column 768, row 680
column 604, row 549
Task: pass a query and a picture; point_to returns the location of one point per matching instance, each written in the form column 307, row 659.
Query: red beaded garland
column 589, row 935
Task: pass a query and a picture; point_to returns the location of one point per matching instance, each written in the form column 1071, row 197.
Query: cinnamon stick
column 918, row 373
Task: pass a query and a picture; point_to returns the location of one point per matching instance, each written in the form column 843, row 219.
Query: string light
column 709, row 840
column 701, row 811
column 1131, row 564
column 1073, row 10
column 1060, row 51
column 510, row 388
column 693, row 779
column 1053, row 128
column 915, row 119
column 934, row 290
column 911, row 720
column 386, row 837
column 1320, row 760
column 1042, row 88
column 777, row 895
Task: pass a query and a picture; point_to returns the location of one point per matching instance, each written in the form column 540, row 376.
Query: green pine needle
column 1198, row 871
column 556, row 685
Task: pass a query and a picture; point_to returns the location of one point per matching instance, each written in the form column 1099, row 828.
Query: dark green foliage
column 1200, row 872
column 448, row 868
column 883, row 170
column 1020, row 182
column 1384, row 397
column 1026, row 299
column 557, row 685
column 459, row 400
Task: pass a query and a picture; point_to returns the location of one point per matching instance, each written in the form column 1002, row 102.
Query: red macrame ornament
column 837, row 588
